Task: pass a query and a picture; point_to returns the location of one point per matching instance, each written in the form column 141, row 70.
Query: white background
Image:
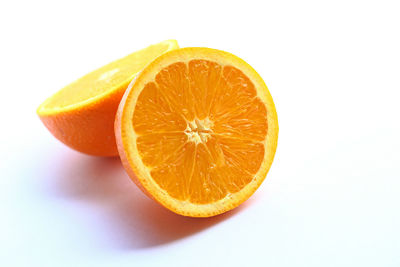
column 331, row 198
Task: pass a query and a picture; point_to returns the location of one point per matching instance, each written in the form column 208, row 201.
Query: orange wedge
column 82, row 114
column 197, row 131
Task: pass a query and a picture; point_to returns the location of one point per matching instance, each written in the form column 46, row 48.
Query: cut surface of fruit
column 82, row 114
column 197, row 131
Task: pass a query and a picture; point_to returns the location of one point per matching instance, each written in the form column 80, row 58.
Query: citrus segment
column 197, row 131
column 82, row 114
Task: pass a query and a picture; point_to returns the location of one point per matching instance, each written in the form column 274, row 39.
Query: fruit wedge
column 197, row 131
column 82, row 114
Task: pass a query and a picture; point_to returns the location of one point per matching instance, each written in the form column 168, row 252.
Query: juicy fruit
column 197, row 131
column 82, row 114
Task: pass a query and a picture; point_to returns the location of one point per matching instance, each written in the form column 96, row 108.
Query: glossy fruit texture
column 197, row 131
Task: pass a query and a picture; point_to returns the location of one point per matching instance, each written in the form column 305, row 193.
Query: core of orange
column 197, row 131
column 82, row 114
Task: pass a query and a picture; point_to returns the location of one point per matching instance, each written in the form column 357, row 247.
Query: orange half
column 82, row 114
column 197, row 131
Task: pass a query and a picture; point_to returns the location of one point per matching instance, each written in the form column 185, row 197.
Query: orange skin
column 95, row 136
column 122, row 152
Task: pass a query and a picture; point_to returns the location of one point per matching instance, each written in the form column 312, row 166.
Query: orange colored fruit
column 197, row 131
column 82, row 114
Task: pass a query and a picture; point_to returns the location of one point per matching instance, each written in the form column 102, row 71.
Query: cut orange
column 82, row 114
column 197, row 131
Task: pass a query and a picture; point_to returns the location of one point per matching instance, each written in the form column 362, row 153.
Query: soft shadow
column 131, row 219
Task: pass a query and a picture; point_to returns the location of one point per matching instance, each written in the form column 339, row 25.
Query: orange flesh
column 201, row 130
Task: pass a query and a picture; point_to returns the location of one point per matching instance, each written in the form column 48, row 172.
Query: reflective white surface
column 331, row 198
